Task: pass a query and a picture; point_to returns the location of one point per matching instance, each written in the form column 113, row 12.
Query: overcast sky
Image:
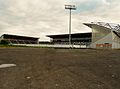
column 38, row 18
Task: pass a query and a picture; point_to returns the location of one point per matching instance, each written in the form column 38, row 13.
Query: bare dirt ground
column 49, row 68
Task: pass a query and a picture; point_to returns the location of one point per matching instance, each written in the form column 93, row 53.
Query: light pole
column 70, row 7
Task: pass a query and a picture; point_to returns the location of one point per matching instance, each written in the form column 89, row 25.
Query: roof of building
column 114, row 27
column 75, row 35
column 17, row 36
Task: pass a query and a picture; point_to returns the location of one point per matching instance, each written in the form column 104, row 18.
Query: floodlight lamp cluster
column 72, row 7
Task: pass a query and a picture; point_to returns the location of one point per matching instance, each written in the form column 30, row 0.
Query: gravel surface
column 49, row 68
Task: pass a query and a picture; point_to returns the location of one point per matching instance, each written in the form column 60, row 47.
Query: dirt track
column 47, row 68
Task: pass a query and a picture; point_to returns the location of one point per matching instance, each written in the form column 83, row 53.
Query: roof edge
column 21, row 36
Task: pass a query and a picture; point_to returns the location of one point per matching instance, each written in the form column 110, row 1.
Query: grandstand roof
column 74, row 35
column 17, row 37
column 114, row 27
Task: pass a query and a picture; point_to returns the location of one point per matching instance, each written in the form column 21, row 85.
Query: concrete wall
column 101, row 37
column 116, row 41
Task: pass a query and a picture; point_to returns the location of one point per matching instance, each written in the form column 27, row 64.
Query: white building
column 105, row 35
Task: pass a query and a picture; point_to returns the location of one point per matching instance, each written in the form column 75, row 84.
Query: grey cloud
column 40, row 17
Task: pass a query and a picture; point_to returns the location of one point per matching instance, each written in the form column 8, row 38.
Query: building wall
column 101, row 37
column 116, row 41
